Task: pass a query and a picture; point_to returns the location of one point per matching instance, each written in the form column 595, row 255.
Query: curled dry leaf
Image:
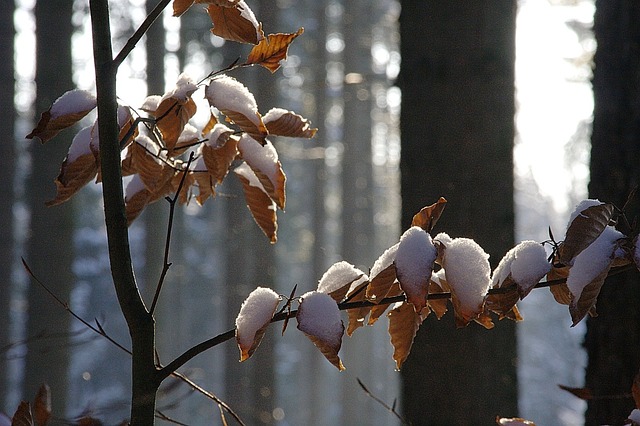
column 281, row 122
column 22, row 416
column 66, row 111
column 263, row 160
column 78, row 168
column 414, row 263
column 271, row 50
column 586, row 226
column 254, row 318
column 262, row 208
column 236, row 23
column 427, row 217
column 357, row 316
column 42, row 405
column 378, row 310
column 404, row 323
column 219, row 151
column 319, row 319
column 560, row 291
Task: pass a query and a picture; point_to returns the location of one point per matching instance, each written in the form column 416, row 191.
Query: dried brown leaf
column 357, row 316
column 588, row 298
column 73, row 176
column 560, row 291
column 235, row 23
column 438, row 305
column 254, row 318
column 502, row 304
column 582, row 393
column 378, row 310
column 404, row 322
column 584, row 230
column 181, row 6
column 42, row 405
column 22, row 416
column 77, row 104
column 271, row 50
column 281, row 122
column 219, row 158
column 427, row 217
column 172, row 115
column 262, row 208
column 381, row 284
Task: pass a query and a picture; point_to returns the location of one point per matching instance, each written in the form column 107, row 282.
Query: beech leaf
column 404, row 323
column 378, row 310
column 22, row 416
column 42, row 405
column 237, row 23
column 338, row 279
column 219, row 151
column 357, row 316
column 263, row 160
column 262, row 208
column 427, row 217
column 66, row 111
column 254, row 318
column 319, row 319
column 281, row 122
column 78, row 168
column 414, row 263
column 583, row 230
column 271, row 50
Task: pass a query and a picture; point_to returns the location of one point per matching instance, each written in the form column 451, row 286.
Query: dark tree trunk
column 49, row 245
column 7, row 170
column 613, row 337
column 457, row 126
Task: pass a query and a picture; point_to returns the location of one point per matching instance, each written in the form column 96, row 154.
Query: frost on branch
column 66, row 111
column 414, row 262
column 319, row 319
column 254, row 318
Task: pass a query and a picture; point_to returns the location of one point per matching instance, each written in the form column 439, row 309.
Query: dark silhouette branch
column 391, row 409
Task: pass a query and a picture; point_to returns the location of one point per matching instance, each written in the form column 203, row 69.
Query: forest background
column 349, row 174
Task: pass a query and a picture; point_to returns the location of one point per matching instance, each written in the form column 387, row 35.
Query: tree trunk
column 50, row 244
column 613, row 337
column 7, row 170
column 457, row 126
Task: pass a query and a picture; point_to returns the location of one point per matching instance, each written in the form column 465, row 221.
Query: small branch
column 390, row 409
column 142, row 29
column 172, row 208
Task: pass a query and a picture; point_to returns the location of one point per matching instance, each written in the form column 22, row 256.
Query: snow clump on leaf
column 526, row 264
column 414, row 263
column 339, row 275
column 255, row 315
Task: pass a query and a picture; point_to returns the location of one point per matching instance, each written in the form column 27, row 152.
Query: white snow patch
column 634, row 416
column 582, row 205
column 468, row 272
column 259, row 157
column 151, row 103
column 256, row 311
column 73, row 102
column 81, row 144
column 319, row 316
column 245, row 171
column 247, row 14
column 134, row 186
column 337, row 276
column 185, row 86
column 526, row 262
column 384, row 260
column 443, row 237
column 592, row 261
column 274, row 114
column 228, row 94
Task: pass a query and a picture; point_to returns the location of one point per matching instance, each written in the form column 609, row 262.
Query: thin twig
column 172, row 208
column 142, row 29
column 390, row 409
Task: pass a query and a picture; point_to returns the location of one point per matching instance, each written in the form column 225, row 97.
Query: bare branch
column 390, row 409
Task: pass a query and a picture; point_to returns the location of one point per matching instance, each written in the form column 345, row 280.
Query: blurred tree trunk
column 7, row 170
column 613, row 337
column 457, row 126
column 49, row 246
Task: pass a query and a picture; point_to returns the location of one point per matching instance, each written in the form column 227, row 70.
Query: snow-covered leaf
column 235, row 101
column 281, row 122
column 22, row 416
column 235, row 22
column 414, row 263
column 587, row 222
column 404, row 323
column 219, row 151
column 337, row 280
column 262, row 208
column 383, row 274
column 271, row 50
column 319, row 319
column 66, row 111
column 263, row 160
column 378, row 310
column 526, row 264
column 589, row 270
column 78, row 168
column 254, row 318
column 467, row 269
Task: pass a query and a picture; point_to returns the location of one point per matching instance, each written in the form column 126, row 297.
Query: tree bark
column 7, row 170
column 613, row 337
column 49, row 245
column 457, row 126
